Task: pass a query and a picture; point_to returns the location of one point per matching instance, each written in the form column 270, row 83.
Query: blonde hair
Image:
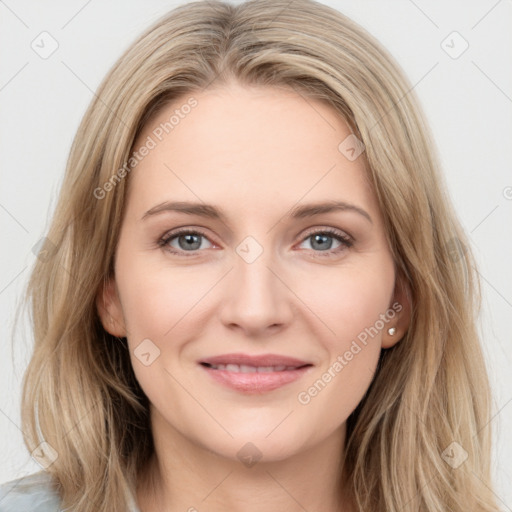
column 430, row 390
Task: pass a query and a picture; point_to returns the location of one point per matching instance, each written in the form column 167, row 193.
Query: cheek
column 350, row 300
column 353, row 305
column 159, row 306
column 157, row 300
column 164, row 309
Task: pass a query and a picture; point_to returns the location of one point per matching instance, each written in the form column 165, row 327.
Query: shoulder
column 32, row 493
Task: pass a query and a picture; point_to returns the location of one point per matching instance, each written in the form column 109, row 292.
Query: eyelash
column 346, row 241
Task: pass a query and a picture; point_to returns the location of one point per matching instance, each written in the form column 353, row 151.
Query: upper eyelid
column 330, row 231
column 169, row 235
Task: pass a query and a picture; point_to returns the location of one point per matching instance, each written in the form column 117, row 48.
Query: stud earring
column 392, row 331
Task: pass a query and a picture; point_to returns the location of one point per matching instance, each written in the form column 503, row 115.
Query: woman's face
column 254, row 309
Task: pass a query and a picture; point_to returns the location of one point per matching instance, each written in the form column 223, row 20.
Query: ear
column 109, row 309
column 402, row 305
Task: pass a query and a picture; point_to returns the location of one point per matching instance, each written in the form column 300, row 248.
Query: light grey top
column 34, row 493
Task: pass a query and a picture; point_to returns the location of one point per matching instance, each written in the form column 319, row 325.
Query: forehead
column 254, row 147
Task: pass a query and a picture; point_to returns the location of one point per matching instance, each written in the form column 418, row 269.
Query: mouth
column 244, row 368
column 254, row 374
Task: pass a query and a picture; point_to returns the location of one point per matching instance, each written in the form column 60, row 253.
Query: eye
column 183, row 241
column 322, row 241
column 191, row 241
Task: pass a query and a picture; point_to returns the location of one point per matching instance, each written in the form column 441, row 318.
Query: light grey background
column 468, row 102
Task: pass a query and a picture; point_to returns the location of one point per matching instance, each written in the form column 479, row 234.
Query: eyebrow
column 212, row 212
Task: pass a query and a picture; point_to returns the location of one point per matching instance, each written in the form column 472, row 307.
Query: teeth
column 247, row 369
column 266, row 369
column 243, row 368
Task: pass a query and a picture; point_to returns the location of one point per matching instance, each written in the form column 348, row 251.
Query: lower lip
column 256, row 382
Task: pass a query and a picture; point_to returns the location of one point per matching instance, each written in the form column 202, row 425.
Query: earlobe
column 402, row 304
column 109, row 309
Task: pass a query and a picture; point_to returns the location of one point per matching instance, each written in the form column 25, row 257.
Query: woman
column 255, row 293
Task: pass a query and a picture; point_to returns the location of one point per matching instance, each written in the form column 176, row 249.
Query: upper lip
column 255, row 360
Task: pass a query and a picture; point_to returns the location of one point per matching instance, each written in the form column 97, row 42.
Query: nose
column 257, row 300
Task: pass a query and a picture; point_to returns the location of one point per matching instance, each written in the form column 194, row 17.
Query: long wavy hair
column 430, row 400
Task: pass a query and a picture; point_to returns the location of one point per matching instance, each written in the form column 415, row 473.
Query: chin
column 250, row 445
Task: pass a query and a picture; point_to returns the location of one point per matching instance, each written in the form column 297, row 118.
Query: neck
column 183, row 476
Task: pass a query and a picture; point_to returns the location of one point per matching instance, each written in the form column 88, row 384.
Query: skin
column 256, row 153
